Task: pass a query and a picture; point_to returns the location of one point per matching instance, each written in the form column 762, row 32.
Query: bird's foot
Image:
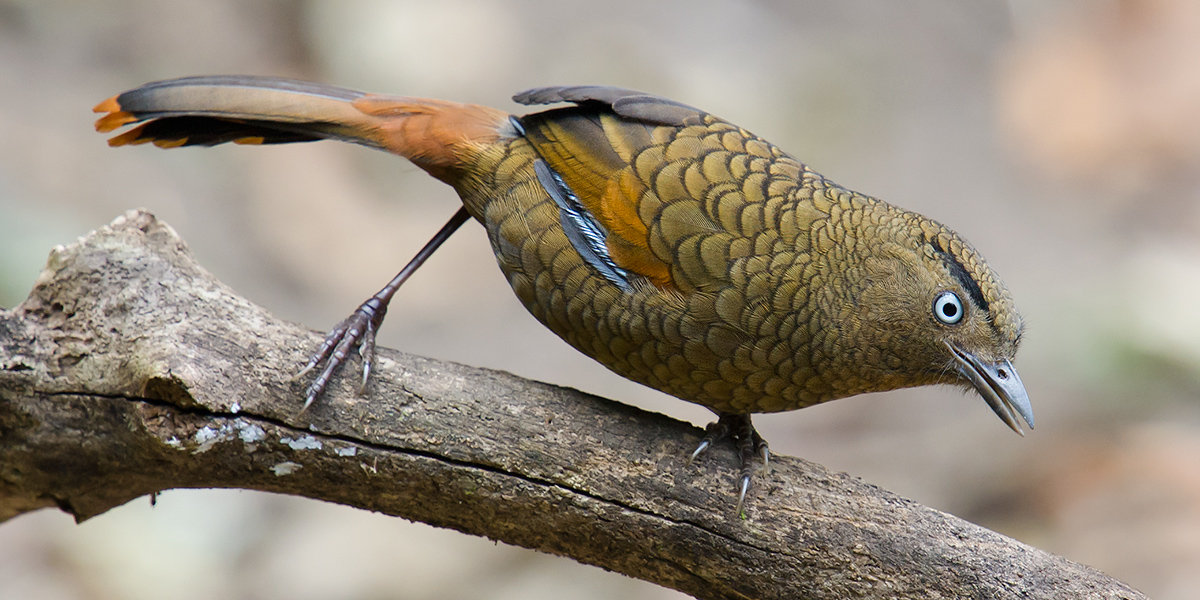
column 357, row 331
column 738, row 429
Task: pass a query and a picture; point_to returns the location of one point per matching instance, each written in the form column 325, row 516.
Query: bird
column 677, row 249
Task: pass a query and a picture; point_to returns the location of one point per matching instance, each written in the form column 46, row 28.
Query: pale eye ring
column 948, row 308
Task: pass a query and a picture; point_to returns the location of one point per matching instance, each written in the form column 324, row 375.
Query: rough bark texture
column 130, row 370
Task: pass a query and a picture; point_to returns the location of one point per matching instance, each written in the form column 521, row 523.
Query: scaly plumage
column 675, row 248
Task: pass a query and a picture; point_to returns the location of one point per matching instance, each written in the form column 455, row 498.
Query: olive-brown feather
column 675, row 248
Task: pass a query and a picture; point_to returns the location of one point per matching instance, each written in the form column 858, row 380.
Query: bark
column 131, row 370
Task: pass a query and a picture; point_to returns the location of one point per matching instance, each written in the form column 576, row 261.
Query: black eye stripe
column 964, row 278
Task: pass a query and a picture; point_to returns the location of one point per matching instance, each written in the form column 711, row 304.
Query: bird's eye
column 948, row 308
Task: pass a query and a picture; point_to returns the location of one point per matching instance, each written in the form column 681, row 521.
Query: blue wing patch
column 585, row 233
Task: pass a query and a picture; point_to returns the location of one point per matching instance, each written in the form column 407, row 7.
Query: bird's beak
column 999, row 385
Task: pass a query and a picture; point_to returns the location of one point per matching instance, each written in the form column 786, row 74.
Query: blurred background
column 1062, row 137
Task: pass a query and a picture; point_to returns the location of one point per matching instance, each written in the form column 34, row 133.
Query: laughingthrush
column 675, row 248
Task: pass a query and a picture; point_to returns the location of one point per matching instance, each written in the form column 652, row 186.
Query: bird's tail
column 435, row 134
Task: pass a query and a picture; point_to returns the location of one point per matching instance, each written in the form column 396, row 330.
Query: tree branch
column 131, row 370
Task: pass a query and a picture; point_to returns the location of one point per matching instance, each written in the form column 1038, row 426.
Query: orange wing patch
column 594, row 164
column 628, row 239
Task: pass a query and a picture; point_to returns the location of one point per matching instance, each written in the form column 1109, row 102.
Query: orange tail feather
column 433, row 134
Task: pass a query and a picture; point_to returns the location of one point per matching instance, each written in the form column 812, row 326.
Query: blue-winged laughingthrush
column 675, row 248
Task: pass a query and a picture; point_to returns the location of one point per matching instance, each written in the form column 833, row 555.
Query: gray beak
column 999, row 385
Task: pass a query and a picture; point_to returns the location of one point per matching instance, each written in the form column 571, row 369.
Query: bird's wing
column 677, row 193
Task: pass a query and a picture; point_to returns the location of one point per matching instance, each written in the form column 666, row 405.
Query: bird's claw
column 704, row 445
column 366, row 351
column 738, row 428
column 358, row 330
column 745, row 487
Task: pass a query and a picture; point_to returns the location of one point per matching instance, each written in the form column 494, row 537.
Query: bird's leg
column 359, row 328
column 740, row 430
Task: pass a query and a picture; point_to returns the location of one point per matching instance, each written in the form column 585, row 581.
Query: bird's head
column 939, row 314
